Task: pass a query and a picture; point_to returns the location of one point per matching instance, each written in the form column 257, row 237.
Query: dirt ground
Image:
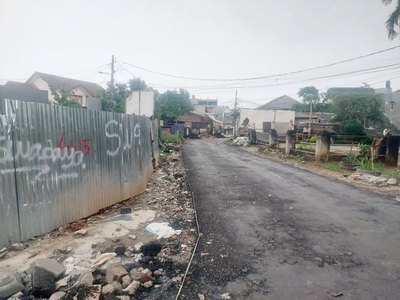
column 274, row 231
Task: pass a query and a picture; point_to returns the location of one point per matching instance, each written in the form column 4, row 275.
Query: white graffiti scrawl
column 129, row 137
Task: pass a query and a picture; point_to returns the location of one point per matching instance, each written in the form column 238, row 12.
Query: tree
column 319, row 102
column 117, row 104
column 393, row 21
column 173, row 104
column 63, row 97
column 364, row 108
column 137, row 84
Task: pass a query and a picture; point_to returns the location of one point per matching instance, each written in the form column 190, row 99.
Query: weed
column 168, row 138
column 332, row 166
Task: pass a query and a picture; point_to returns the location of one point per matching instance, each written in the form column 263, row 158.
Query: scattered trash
column 225, row 296
column 162, row 230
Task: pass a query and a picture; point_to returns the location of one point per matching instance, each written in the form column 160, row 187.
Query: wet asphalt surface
column 273, row 231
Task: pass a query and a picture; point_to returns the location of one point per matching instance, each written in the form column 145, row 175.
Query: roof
column 282, row 103
column 338, row 90
column 199, row 101
column 23, row 91
column 68, row 84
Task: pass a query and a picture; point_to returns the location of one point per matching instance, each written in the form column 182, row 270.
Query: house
column 204, row 106
column 281, row 103
column 13, row 90
column 280, row 120
column 81, row 91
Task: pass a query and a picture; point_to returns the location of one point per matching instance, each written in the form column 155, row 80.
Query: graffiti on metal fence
column 119, row 136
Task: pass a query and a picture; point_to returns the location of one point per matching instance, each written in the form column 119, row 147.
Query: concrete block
column 50, row 265
column 9, row 285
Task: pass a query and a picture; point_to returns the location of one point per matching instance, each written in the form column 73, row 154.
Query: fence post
column 323, row 145
column 392, row 151
column 290, row 141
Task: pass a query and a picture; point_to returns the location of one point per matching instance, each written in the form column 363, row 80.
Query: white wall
column 257, row 117
column 140, row 103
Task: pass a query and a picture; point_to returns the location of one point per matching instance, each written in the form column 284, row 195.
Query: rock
column 9, row 284
column 62, row 283
column 381, row 180
column 125, row 210
column 118, row 229
column 225, row 296
column 120, row 250
column 135, row 275
column 50, row 265
column 176, row 279
column 392, row 181
column 108, row 265
column 108, row 289
column 140, row 269
column 148, row 284
column 123, row 297
column 152, row 248
column 147, row 271
column 17, row 296
column 43, row 282
column 384, row 184
column 85, row 279
column 146, row 277
column 201, row 297
column 126, row 281
column 132, row 288
column 17, row 247
column 159, row 272
column 115, row 240
column 80, row 233
column 115, row 274
column 138, row 247
column 132, row 236
column 66, row 250
column 58, row 296
column 117, row 287
column 130, row 264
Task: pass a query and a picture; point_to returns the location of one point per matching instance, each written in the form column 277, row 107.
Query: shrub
column 313, row 139
column 354, row 128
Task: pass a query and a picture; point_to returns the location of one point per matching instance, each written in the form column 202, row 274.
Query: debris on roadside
column 241, row 141
column 130, row 262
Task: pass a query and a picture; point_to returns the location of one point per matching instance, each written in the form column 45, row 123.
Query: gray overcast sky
column 200, row 38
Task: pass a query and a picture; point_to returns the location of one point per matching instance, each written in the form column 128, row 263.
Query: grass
column 332, row 166
column 304, row 147
column 168, row 138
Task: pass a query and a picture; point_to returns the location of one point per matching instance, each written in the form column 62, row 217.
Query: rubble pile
column 241, row 141
column 373, row 179
column 127, row 269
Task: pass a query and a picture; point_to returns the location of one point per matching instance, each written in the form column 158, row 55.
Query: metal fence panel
column 68, row 164
column 9, row 225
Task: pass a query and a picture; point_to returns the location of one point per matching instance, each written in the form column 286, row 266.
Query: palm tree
column 393, row 20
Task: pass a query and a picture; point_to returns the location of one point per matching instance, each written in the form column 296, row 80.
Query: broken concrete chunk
column 43, row 283
column 138, row 247
column 132, row 236
column 9, row 285
column 82, row 232
column 126, row 281
column 115, row 274
column 50, row 265
column 201, row 297
column 146, row 277
column 58, row 296
column 132, row 288
column 148, row 284
column 135, row 275
column 108, row 289
column 392, row 181
column 5, row 249
column 123, row 297
column 4, row 254
column 17, row 247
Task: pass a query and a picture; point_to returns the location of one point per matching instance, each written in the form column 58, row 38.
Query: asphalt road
column 273, row 231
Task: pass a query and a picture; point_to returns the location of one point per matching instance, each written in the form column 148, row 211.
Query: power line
column 268, row 76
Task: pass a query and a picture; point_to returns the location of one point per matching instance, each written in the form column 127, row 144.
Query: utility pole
column 309, row 125
column 235, row 119
column 112, row 78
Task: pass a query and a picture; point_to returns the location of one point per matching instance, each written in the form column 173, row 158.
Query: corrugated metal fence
column 58, row 164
